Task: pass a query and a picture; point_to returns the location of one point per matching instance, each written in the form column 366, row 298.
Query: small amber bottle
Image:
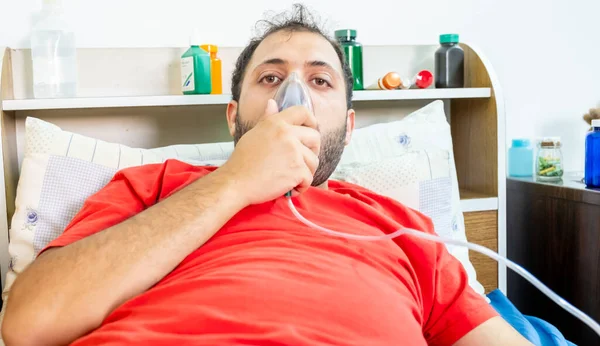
column 215, row 68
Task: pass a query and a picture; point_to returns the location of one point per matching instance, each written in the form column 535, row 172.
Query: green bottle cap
column 449, row 38
column 346, row 34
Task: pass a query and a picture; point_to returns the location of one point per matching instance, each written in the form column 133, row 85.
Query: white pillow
column 422, row 132
column 60, row 170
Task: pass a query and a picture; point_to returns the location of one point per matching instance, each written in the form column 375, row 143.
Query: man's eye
column 321, row 82
column 270, row 80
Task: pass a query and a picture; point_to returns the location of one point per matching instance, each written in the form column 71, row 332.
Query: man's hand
column 278, row 155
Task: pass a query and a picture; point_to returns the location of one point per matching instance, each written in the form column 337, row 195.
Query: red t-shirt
column 266, row 279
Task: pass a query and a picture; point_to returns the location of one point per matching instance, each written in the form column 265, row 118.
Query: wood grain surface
column 482, row 229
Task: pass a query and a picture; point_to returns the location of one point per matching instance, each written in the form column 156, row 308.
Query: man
column 174, row 254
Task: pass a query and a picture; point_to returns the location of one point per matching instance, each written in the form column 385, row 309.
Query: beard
column 332, row 148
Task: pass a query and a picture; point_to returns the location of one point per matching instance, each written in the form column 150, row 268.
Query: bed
column 451, row 144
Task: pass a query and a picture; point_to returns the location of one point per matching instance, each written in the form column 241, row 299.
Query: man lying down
column 174, row 254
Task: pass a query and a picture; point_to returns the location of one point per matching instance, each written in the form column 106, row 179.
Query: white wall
column 546, row 53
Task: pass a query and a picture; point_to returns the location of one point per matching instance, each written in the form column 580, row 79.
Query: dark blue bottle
column 592, row 156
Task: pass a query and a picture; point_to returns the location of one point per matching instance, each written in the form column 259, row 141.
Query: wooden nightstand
column 553, row 230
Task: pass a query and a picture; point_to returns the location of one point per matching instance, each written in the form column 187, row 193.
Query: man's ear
column 349, row 125
column 232, row 108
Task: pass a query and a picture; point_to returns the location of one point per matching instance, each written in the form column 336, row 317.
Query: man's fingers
column 271, row 108
column 310, row 138
column 310, row 159
column 299, row 115
column 307, row 179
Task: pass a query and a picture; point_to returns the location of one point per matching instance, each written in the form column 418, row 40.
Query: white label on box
column 187, row 74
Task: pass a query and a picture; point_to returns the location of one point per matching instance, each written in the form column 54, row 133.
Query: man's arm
column 68, row 291
column 494, row 332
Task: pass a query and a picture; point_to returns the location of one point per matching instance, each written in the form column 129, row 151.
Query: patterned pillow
column 421, row 179
column 60, row 170
column 388, row 149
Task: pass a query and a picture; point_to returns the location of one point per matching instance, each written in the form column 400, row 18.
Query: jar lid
column 347, row 34
column 596, row 123
column 449, row 38
column 550, row 142
column 521, row 142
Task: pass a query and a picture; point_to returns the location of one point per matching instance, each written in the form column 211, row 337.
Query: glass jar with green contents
column 549, row 162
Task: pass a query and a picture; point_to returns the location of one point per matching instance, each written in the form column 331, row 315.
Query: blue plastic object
column 592, row 156
column 520, row 158
column 537, row 331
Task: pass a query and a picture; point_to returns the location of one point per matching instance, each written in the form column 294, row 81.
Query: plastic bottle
column 520, row 158
column 53, row 54
column 592, row 156
column 195, row 68
column 353, row 53
column 216, row 73
column 390, row 81
column 449, row 63
column 422, row 80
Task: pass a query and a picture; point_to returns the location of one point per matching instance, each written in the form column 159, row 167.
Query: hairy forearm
column 494, row 332
column 83, row 282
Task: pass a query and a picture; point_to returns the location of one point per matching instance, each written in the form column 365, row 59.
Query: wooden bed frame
column 131, row 96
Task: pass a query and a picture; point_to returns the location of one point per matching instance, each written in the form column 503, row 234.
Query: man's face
column 313, row 58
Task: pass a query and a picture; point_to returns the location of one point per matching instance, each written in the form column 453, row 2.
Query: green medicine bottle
column 353, row 52
column 195, row 69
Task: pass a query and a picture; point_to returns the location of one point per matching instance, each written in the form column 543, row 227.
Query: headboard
column 131, row 96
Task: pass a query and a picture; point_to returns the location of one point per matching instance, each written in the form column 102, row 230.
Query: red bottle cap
column 424, row 79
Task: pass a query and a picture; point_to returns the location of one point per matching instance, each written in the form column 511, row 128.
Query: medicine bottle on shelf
column 353, row 52
column 216, row 73
column 449, row 63
column 195, row 68
column 390, row 81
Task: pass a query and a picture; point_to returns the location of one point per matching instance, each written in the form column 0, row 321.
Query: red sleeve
column 129, row 192
column 455, row 308
column 451, row 308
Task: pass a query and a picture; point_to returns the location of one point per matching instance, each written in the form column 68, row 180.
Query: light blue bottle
column 592, row 156
column 520, row 158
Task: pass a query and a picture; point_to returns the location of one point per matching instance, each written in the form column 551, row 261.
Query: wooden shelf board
column 200, row 100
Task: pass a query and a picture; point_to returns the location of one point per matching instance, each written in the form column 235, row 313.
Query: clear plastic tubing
column 481, row 249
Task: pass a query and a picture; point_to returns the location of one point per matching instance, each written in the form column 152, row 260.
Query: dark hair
column 298, row 20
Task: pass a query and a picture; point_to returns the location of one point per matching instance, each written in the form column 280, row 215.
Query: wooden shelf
column 199, row 100
column 421, row 94
column 471, row 201
column 115, row 102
